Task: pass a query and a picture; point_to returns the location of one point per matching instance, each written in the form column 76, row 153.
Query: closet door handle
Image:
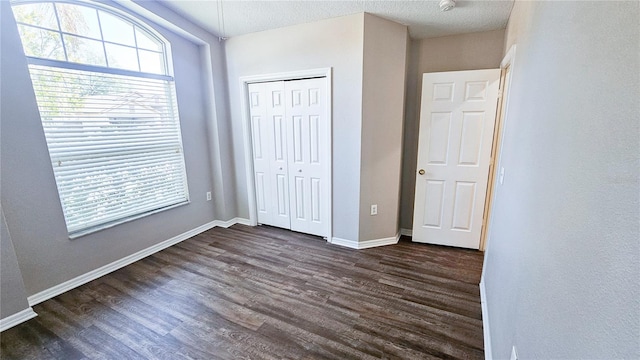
column 299, row 170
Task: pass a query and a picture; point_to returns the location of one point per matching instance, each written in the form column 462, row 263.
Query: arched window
column 108, row 107
column 83, row 33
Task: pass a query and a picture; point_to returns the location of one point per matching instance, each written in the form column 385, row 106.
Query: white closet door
column 289, row 126
column 268, row 127
column 278, row 159
column 261, row 168
column 306, row 125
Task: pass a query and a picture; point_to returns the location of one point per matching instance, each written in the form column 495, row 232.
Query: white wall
column 562, row 264
column 336, row 43
column 29, row 197
column 448, row 53
column 13, row 296
column 384, row 71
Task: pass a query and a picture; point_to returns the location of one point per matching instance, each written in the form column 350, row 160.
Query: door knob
column 299, row 170
column 421, row 172
column 281, row 168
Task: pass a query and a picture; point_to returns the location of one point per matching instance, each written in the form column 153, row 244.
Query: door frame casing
column 501, row 118
column 248, row 141
column 507, row 61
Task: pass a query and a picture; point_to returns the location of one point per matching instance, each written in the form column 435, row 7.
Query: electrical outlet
column 514, row 353
column 374, row 209
column 208, row 195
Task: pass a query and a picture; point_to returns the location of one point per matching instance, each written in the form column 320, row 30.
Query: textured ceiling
column 423, row 17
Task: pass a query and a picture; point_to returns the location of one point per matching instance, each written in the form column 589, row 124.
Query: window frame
column 137, row 23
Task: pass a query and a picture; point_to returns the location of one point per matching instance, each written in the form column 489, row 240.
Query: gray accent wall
column 30, row 202
column 216, row 104
column 13, row 296
column 335, row 43
column 384, row 71
column 562, row 263
column 367, row 55
column 448, row 53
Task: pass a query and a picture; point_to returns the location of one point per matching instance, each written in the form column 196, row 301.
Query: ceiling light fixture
column 446, row 5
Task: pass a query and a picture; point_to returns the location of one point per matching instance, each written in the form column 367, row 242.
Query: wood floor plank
column 266, row 293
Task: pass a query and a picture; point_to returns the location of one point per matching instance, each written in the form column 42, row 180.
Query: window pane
column 79, row 20
column 147, row 41
column 41, row 43
column 122, row 57
column 84, row 51
column 151, row 62
column 41, row 14
column 114, row 143
column 116, row 30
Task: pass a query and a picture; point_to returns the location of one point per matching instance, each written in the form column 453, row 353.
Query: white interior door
column 457, row 119
column 307, row 124
column 268, row 128
column 289, row 128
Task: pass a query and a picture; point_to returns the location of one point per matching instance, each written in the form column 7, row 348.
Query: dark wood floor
column 266, row 293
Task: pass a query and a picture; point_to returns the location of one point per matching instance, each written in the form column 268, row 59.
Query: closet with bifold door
column 289, row 128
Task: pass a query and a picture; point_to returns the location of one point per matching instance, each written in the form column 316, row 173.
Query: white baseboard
column 94, row 274
column 488, row 354
column 17, row 318
column 241, row 221
column 406, row 232
column 353, row 244
column 344, row 242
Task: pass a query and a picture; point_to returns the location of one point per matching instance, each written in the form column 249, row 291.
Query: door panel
column 298, row 156
column 463, row 199
column 279, row 135
column 471, row 138
column 269, row 131
column 261, row 197
column 257, row 124
column 279, row 179
column 307, row 122
column 315, row 199
column 314, row 139
column 276, row 94
column 439, row 138
column 434, row 196
column 282, row 192
column 456, row 131
column 476, row 91
column 298, row 196
column 261, row 166
column 443, row 91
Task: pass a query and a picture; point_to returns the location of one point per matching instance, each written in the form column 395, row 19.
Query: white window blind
column 114, row 142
